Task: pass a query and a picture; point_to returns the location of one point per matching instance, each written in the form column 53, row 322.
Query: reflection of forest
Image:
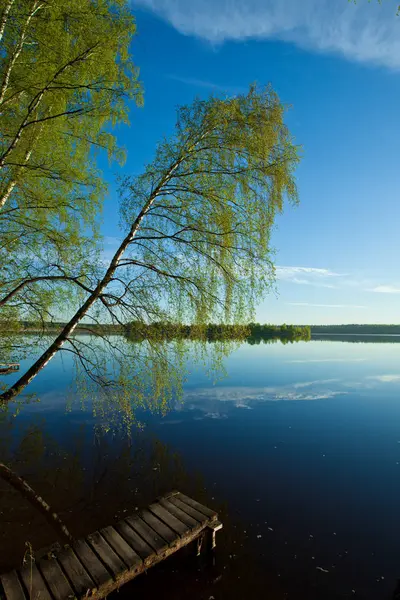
column 95, row 484
column 101, row 480
column 357, row 338
column 93, row 481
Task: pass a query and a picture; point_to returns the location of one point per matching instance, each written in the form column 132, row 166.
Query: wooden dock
column 105, row 560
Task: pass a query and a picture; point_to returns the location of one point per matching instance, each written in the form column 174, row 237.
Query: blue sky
column 338, row 65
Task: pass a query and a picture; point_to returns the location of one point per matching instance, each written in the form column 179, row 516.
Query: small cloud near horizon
column 307, row 276
column 390, row 378
column 385, row 289
column 325, row 305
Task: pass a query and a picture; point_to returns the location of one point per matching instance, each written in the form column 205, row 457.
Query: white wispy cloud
column 385, row 289
column 364, row 32
column 208, row 84
column 307, row 276
column 212, row 400
column 390, row 378
column 325, row 305
column 326, row 360
column 303, row 384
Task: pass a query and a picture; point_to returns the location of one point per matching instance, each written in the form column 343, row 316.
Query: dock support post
column 212, row 530
column 199, row 543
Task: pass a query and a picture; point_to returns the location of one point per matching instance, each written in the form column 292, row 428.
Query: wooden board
column 134, row 540
column 149, row 535
column 211, row 514
column 169, row 519
column 200, row 518
column 34, row 583
column 12, row 586
column 91, row 562
column 165, row 532
column 57, row 583
column 106, row 553
column 98, row 565
column 75, row 571
column 179, row 514
column 124, row 551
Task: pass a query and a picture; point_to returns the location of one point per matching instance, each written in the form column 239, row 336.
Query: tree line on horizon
column 252, row 332
column 357, row 328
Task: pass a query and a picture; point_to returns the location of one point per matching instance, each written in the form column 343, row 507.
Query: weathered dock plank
column 12, row 586
column 202, row 509
column 34, row 583
column 200, row 518
column 124, row 551
column 106, row 553
column 150, row 536
column 138, row 544
column 91, row 562
column 163, row 531
column 59, row 585
column 169, row 519
column 76, row 572
column 180, row 514
column 99, row 564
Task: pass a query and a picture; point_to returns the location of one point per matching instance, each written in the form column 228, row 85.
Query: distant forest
column 253, row 332
column 355, row 329
column 137, row 331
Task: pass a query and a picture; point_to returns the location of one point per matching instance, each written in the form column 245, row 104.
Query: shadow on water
column 238, row 447
column 357, row 338
column 94, row 480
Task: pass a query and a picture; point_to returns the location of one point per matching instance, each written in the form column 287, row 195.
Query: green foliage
column 66, row 77
column 284, row 333
column 207, row 204
column 252, row 333
column 196, row 249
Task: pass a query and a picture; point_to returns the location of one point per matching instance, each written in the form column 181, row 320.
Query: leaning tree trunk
column 29, row 494
column 4, row 16
column 52, row 350
column 21, row 384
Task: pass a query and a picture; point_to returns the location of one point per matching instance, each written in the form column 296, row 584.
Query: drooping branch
column 69, row 328
column 32, row 280
column 37, row 501
column 204, row 249
column 34, row 104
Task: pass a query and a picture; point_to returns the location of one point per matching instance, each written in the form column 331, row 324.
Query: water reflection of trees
column 90, row 481
column 357, row 338
column 116, row 378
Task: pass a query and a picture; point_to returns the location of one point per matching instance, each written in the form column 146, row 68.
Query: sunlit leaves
column 66, row 77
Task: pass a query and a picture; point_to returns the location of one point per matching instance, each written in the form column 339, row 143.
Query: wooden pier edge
column 107, row 559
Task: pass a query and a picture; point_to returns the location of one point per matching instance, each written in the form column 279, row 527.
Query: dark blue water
column 298, row 447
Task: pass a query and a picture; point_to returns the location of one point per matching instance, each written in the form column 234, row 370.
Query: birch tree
column 196, row 228
column 66, row 77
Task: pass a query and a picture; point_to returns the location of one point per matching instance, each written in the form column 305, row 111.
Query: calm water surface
column 298, row 448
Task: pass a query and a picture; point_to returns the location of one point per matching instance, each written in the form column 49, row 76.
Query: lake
column 298, row 447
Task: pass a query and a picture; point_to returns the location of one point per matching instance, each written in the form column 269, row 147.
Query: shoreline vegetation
column 357, row 329
column 252, row 332
column 138, row 331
